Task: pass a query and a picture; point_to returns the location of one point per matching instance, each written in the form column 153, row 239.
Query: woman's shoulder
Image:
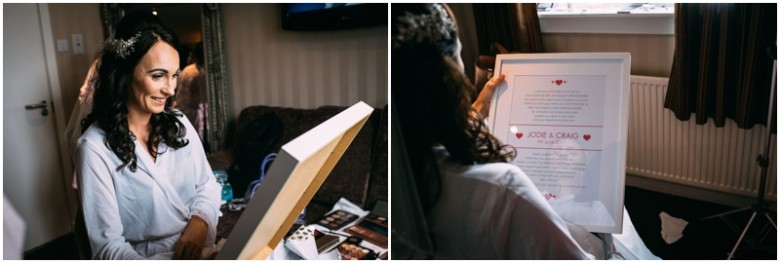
column 93, row 137
column 184, row 121
column 92, row 133
column 180, row 116
column 446, row 164
column 190, row 132
column 504, row 174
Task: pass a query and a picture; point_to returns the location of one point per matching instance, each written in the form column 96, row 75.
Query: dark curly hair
column 113, row 84
column 434, row 97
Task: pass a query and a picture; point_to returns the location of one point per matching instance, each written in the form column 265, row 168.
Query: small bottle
column 227, row 192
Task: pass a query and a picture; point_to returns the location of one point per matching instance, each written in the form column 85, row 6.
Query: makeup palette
column 372, row 228
column 351, row 250
column 324, row 241
column 337, row 219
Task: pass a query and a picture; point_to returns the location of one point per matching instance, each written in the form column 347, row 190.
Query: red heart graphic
column 586, row 137
column 558, row 82
column 519, row 135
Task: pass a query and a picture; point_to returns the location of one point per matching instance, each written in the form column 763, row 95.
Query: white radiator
column 664, row 148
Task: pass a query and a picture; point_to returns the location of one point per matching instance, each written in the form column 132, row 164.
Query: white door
column 33, row 177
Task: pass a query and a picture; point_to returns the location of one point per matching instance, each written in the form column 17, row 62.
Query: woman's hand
column 193, row 238
column 482, row 104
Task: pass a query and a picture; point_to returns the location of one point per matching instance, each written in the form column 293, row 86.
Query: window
column 608, row 18
column 609, row 8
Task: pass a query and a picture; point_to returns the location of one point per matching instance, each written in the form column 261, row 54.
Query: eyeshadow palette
column 372, row 228
column 337, row 219
column 351, row 250
column 324, row 241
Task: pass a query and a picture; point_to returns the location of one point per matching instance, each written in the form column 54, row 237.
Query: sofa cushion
column 351, row 177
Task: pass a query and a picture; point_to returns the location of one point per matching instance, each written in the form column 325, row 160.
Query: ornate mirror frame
column 216, row 78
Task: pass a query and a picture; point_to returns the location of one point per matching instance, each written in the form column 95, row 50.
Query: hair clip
column 120, row 47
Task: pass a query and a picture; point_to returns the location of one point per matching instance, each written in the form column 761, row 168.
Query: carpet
column 701, row 239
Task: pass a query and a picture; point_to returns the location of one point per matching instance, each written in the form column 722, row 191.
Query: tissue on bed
column 671, row 228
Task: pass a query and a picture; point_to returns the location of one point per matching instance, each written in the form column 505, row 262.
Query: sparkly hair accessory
column 120, row 47
column 425, row 27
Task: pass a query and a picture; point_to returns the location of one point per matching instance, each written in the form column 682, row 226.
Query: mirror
column 193, row 23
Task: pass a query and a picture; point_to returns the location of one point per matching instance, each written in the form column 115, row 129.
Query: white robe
column 136, row 215
column 494, row 211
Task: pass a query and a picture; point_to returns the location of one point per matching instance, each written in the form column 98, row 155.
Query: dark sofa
column 360, row 176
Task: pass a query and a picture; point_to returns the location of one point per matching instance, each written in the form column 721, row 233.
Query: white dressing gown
column 494, row 211
column 136, row 215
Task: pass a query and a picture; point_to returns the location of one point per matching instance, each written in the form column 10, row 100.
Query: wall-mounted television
column 332, row 16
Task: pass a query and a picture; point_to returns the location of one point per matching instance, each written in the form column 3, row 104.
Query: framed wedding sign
column 566, row 115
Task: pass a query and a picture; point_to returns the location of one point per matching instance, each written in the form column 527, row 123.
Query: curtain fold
column 722, row 66
column 503, row 28
column 530, row 30
column 515, row 26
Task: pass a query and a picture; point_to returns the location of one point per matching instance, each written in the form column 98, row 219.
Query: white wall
column 66, row 20
column 303, row 69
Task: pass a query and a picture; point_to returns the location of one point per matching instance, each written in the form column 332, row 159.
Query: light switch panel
column 78, row 44
column 62, row 45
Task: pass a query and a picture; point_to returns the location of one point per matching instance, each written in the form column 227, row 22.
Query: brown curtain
column 515, row 26
column 722, row 64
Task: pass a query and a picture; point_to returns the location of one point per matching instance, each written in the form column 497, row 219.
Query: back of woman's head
column 433, row 96
column 425, row 79
column 433, row 92
column 429, row 25
column 121, row 53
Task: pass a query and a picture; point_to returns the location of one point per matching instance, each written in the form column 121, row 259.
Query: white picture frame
column 296, row 174
column 566, row 115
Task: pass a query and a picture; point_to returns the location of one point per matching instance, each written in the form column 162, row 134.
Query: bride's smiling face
column 154, row 79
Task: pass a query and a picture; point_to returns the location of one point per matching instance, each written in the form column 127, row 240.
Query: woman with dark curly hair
column 476, row 204
column 145, row 185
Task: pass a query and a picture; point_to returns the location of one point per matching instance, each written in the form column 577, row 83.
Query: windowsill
column 637, row 22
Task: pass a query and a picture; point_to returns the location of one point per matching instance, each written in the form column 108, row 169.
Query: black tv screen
column 332, row 16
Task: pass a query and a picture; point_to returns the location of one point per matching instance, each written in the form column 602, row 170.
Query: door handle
column 43, row 106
